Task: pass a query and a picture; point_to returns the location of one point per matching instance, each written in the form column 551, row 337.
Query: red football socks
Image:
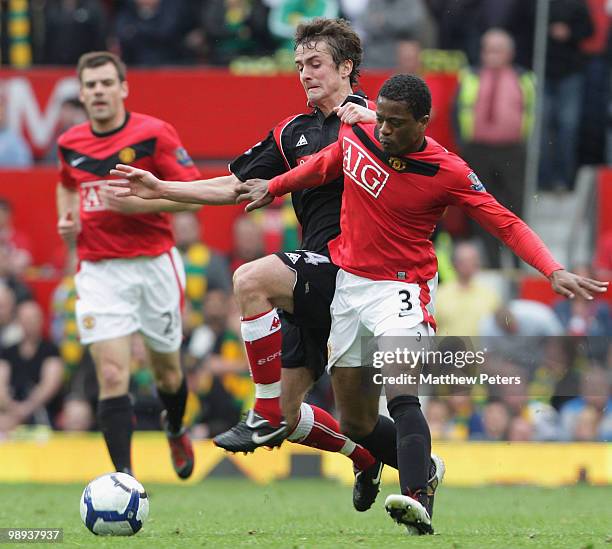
column 262, row 338
column 318, row 429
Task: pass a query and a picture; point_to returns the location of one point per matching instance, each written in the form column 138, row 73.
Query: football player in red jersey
column 301, row 282
column 397, row 185
column 130, row 277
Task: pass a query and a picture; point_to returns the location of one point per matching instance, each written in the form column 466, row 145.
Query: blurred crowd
column 494, row 107
column 562, row 353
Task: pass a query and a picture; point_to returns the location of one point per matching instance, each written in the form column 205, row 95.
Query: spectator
column 17, row 243
column 286, row 15
column 557, row 379
column 580, row 317
column 234, row 28
column 64, row 331
column 586, row 428
column 9, row 274
column 78, row 413
column 408, row 56
column 72, row 112
column 71, row 28
column 453, row 32
column 221, row 376
column 594, row 394
column 516, row 330
column 588, row 319
column 542, row 417
column 31, row 374
column 14, row 151
column 520, row 430
column 438, row 417
column 569, row 24
column 384, row 22
column 151, row 32
column 248, row 242
column 592, row 139
column 494, row 117
column 204, row 269
column 464, row 302
column 496, row 421
column 10, row 330
column 466, row 419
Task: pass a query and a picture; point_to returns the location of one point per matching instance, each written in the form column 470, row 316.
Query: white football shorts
column 118, row 297
column 363, row 309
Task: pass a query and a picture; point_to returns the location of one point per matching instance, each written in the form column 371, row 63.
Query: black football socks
column 381, row 442
column 115, row 417
column 413, row 445
column 175, row 403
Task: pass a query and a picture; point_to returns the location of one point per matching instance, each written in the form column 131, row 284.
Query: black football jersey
column 293, row 142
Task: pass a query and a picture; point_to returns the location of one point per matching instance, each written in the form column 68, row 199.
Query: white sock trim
column 260, row 327
column 348, row 448
column 268, row 390
column 305, row 424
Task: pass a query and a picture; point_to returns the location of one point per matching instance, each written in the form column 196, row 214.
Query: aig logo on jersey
column 362, row 169
column 476, row 183
column 90, row 196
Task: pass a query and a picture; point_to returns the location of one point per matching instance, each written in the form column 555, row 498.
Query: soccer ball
column 115, row 504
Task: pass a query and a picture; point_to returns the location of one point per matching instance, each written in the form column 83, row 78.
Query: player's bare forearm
column 142, row 184
column 215, row 192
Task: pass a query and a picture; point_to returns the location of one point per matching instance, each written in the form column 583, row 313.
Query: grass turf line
column 318, row 513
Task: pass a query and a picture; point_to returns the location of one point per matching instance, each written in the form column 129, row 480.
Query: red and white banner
column 218, row 115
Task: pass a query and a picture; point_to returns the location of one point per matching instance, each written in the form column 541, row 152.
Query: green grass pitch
column 318, row 513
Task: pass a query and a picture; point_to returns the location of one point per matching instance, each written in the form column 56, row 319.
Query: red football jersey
column 85, row 161
column 391, row 205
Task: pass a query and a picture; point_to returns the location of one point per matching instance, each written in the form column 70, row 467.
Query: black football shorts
column 306, row 330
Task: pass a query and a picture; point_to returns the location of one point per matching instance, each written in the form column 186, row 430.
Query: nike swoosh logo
column 257, row 439
column 377, row 479
column 78, row 161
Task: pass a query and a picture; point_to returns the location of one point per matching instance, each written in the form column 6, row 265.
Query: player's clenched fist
column 136, row 182
column 68, row 227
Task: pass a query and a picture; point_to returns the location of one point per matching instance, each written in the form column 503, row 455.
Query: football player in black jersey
column 284, row 298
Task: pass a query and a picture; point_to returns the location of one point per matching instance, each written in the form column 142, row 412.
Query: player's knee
column 247, row 282
column 168, row 380
column 113, row 377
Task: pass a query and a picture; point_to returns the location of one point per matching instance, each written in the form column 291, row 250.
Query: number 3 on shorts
column 406, row 305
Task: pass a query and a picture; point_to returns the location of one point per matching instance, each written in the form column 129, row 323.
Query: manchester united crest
column 127, row 155
column 88, row 322
column 397, row 164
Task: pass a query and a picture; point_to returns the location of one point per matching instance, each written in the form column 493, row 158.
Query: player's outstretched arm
column 571, row 285
column 143, row 184
column 525, row 243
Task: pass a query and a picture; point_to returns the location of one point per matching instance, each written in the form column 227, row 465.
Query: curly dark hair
column 342, row 40
column 410, row 89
